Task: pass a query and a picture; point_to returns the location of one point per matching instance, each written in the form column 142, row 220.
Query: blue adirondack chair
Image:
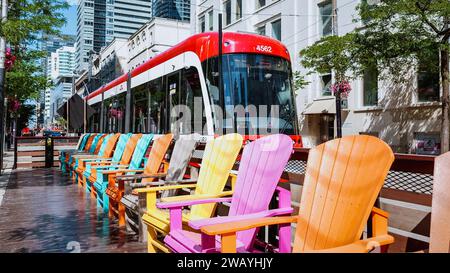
column 136, row 164
column 118, row 152
column 74, row 160
column 64, row 153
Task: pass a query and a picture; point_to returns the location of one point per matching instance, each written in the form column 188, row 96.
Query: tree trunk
column 445, row 131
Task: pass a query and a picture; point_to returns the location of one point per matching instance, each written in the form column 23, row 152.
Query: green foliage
column 299, row 80
column 25, row 80
column 27, row 21
column 23, row 116
column 397, row 35
column 331, row 53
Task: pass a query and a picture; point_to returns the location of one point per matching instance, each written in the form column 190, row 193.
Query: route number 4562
column 263, row 48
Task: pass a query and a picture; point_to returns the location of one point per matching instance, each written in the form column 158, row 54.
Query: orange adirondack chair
column 109, row 150
column 342, row 181
column 440, row 211
column 155, row 161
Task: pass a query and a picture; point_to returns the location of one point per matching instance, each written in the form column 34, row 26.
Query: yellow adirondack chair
column 218, row 160
column 342, row 181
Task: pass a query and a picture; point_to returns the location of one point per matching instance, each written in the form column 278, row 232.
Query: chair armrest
column 110, row 166
column 140, row 176
column 101, row 161
column 93, row 160
column 197, row 197
column 198, row 224
column 190, row 200
column 247, row 224
column 121, row 171
column 361, row 246
column 163, row 188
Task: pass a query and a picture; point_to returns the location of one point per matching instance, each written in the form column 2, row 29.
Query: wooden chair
column 64, row 154
column 440, row 211
column 218, row 160
column 119, row 189
column 342, row 181
column 91, row 148
column 84, row 171
column 261, row 166
column 90, row 174
column 105, row 152
column 155, row 159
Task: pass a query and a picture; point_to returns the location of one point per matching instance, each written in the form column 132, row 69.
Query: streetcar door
column 173, row 92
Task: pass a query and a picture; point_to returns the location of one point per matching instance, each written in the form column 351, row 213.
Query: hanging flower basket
column 9, row 59
column 343, row 87
column 14, row 104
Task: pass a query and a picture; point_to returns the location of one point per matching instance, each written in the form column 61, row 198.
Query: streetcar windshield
column 261, row 85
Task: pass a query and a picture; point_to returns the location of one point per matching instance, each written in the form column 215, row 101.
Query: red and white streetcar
column 256, row 71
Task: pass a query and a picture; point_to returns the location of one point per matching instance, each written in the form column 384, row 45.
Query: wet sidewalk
column 42, row 211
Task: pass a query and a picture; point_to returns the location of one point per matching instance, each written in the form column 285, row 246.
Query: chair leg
column 151, row 236
column 105, row 201
column 110, row 209
column 121, row 210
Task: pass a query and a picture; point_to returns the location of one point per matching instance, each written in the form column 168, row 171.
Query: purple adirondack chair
column 260, row 169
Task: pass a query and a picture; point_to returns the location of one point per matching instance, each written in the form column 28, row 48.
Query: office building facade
column 100, row 21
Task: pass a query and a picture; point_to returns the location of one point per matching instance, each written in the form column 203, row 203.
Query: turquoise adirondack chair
column 74, row 160
column 260, row 169
column 136, row 162
column 118, row 152
column 64, row 153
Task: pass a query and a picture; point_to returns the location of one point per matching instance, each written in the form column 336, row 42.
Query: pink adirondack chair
column 260, row 169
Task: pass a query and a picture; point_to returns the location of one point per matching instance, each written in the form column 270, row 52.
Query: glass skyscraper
column 172, row 9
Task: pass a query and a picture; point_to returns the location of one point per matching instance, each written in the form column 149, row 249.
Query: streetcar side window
column 192, row 97
column 157, row 106
column 94, row 120
column 114, row 114
column 140, row 119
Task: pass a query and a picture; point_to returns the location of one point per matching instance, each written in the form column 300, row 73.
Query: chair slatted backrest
column 99, row 143
column 261, row 166
column 105, row 141
column 139, row 152
column 218, row 159
column 120, row 147
column 95, row 143
column 110, row 145
column 440, row 211
column 156, row 156
column 129, row 149
column 181, row 156
column 88, row 145
column 82, row 142
column 342, row 181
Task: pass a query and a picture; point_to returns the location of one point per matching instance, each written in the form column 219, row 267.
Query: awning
column 326, row 105
column 76, row 107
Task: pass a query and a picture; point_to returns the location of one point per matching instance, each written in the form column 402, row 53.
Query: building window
column 326, row 14
column 261, row 30
column 227, row 9
column 428, row 80
column 260, row 3
column 202, row 25
column 276, row 29
column 211, row 20
column 370, row 89
column 326, row 84
column 238, row 9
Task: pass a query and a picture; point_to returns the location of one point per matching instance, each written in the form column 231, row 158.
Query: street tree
column 396, row 36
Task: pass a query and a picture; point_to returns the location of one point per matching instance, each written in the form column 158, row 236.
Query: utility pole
column 2, row 83
column 221, row 89
column 334, row 23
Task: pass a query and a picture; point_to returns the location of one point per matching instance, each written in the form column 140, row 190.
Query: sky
column 71, row 17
